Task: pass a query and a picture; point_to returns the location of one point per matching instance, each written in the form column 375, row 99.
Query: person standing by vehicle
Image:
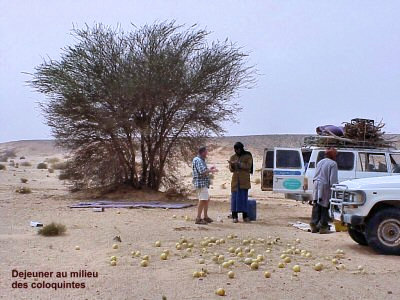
column 201, row 181
column 241, row 165
column 325, row 176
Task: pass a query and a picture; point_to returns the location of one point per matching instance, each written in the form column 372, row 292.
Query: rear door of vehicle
column 267, row 170
column 288, row 170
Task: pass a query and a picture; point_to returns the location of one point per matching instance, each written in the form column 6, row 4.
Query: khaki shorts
column 202, row 194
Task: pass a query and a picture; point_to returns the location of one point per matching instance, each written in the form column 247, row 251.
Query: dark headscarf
column 239, row 145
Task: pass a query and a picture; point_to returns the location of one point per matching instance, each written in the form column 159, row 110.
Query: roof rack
column 340, row 142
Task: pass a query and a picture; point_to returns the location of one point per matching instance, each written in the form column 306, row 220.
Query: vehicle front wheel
column 358, row 236
column 383, row 231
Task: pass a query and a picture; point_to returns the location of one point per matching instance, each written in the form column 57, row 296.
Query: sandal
column 235, row 220
column 208, row 220
column 200, row 222
column 246, row 220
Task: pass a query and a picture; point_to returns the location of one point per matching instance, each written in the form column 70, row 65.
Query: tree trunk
column 143, row 178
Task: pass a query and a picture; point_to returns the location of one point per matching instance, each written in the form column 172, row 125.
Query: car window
column 269, row 160
column 395, row 162
column 288, row 159
column 372, row 162
column 345, row 160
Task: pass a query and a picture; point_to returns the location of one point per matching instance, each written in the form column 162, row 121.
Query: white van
column 291, row 170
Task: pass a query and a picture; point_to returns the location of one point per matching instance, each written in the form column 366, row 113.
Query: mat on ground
column 115, row 204
column 306, row 227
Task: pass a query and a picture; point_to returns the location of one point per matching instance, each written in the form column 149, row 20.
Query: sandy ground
column 21, row 248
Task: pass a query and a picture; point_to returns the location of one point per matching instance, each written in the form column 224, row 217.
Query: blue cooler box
column 252, row 209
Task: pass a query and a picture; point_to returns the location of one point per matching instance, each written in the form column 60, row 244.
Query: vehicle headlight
column 357, row 197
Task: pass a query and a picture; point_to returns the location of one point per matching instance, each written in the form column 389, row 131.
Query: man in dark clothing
column 241, row 165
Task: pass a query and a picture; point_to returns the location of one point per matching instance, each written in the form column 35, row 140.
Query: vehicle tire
column 383, row 231
column 358, row 236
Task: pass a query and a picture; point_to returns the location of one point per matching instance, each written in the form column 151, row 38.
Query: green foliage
column 53, row 229
column 153, row 93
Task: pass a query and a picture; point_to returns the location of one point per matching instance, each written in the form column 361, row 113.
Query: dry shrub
column 65, row 176
column 52, row 160
column 6, row 154
column 23, row 190
column 177, row 192
column 2, row 167
column 59, row 166
column 257, row 181
column 26, row 164
column 53, row 229
column 22, row 157
column 24, row 180
column 42, row 166
column 50, row 170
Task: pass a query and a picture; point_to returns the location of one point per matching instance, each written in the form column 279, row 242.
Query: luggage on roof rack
column 358, row 133
column 340, row 142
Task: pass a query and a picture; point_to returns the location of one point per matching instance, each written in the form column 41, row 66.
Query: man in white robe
column 325, row 176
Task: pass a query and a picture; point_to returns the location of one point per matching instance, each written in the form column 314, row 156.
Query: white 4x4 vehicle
column 291, row 170
column 371, row 209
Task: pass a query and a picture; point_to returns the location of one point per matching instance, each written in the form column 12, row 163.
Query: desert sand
column 21, row 248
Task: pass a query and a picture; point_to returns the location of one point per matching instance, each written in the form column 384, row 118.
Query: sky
column 319, row 62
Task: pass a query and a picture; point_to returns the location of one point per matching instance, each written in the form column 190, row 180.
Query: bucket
column 339, row 226
column 252, row 209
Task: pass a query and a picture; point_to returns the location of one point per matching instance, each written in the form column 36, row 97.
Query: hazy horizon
column 320, row 62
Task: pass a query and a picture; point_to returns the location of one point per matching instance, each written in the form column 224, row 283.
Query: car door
column 372, row 164
column 288, row 170
column 267, row 170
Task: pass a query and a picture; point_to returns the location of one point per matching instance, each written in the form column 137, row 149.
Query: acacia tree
column 132, row 105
